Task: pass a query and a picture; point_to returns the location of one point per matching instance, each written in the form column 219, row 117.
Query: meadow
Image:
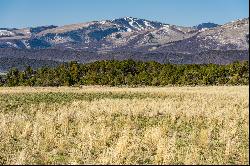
column 122, row 125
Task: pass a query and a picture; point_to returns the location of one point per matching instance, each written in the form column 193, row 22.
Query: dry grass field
column 108, row 125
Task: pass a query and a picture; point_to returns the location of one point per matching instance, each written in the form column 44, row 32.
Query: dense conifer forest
column 129, row 72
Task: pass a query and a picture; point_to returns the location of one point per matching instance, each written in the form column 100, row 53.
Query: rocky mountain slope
column 129, row 36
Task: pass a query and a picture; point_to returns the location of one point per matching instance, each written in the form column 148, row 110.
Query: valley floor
column 120, row 125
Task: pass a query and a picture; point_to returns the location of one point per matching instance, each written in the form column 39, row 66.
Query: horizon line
column 33, row 26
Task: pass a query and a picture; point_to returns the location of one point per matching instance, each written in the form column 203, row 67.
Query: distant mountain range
column 125, row 38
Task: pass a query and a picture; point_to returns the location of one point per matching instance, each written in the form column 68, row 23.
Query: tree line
column 129, row 72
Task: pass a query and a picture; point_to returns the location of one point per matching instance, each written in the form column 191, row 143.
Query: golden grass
column 98, row 89
column 180, row 125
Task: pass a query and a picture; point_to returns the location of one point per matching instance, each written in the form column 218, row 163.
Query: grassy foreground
column 107, row 125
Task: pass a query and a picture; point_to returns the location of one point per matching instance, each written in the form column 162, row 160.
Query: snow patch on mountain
column 26, row 43
column 103, row 22
column 12, row 44
column 148, row 24
column 6, row 33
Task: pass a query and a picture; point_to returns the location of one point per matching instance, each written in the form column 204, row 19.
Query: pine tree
column 13, row 77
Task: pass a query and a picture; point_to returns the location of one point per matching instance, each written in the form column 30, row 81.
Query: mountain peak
column 129, row 17
column 126, row 18
column 137, row 24
column 206, row 25
column 41, row 28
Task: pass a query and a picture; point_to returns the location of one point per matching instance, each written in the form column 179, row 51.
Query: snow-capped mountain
column 135, row 24
column 128, row 32
column 88, row 32
column 230, row 36
column 131, row 36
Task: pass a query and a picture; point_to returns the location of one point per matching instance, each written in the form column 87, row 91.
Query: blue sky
column 28, row 13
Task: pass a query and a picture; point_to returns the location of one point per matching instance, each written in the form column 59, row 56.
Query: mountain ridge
column 132, row 35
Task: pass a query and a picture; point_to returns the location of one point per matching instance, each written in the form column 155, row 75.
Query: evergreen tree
column 13, row 77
